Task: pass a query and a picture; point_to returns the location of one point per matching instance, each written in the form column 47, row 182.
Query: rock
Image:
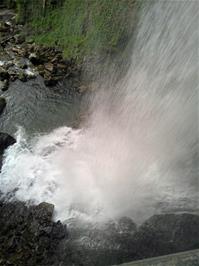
column 2, row 104
column 50, row 81
column 43, row 212
column 126, row 226
column 25, row 241
column 49, row 67
column 34, row 59
column 3, row 74
column 4, row 85
column 59, row 231
column 19, row 39
column 22, row 76
column 22, row 63
column 30, row 74
column 168, row 233
column 5, row 141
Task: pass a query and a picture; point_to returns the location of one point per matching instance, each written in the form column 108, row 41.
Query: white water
column 138, row 149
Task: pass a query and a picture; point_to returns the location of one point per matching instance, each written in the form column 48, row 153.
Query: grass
column 81, row 27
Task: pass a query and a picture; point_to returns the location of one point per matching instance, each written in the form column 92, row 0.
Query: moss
column 80, row 27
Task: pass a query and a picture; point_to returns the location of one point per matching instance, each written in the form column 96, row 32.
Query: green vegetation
column 79, row 27
column 82, row 27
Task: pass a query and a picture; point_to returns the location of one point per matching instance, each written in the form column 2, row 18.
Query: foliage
column 79, row 27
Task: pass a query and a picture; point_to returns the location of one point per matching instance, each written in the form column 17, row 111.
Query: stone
column 4, row 74
column 49, row 67
column 22, row 76
column 5, row 141
column 34, row 59
column 22, row 63
column 2, row 104
column 4, row 85
column 50, row 81
column 30, row 74
column 19, row 39
column 43, row 212
column 28, row 242
column 168, row 233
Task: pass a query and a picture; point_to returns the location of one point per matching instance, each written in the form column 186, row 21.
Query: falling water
column 138, row 152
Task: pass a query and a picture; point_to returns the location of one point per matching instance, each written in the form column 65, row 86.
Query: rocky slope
column 30, row 237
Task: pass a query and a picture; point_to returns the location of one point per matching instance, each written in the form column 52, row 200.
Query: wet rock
column 126, row 226
column 169, row 233
column 49, row 66
column 43, row 212
column 4, row 74
column 30, row 74
column 2, row 104
column 4, row 85
column 22, row 63
column 59, row 231
column 50, row 81
column 26, row 240
column 19, row 39
column 21, row 75
column 34, row 59
column 5, row 141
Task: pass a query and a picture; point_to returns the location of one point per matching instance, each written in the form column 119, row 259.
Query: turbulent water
column 138, row 152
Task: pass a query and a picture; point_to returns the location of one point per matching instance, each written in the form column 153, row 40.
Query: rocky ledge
column 30, row 237
column 22, row 59
column 5, row 141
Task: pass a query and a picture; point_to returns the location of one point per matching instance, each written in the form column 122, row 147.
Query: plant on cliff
column 79, row 27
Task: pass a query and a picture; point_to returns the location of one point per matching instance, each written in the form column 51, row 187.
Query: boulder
column 49, row 67
column 19, row 39
column 34, row 59
column 3, row 74
column 5, row 141
column 167, row 233
column 25, row 240
column 2, row 104
column 22, row 63
column 4, row 85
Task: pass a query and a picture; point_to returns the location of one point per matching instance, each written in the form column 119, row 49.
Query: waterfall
column 137, row 153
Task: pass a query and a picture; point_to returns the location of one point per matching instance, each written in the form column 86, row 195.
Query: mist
column 137, row 152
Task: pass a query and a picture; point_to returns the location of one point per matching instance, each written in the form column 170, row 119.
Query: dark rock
column 2, row 104
column 169, row 233
column 19, row 39
column 22, row 63
column 43, row 212
column 126, row 226
column 4, row 85
column 35, row 59
column 3, row 74
column 5, row 141
column 50, row 81
column 27, row 242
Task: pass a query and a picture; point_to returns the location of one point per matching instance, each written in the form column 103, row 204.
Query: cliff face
column 79, row 27
column 28, row 236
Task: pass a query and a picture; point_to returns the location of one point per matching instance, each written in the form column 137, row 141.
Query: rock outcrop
column 5, row 141
column 2, row 104
column 26, row 60
column 28, row 235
